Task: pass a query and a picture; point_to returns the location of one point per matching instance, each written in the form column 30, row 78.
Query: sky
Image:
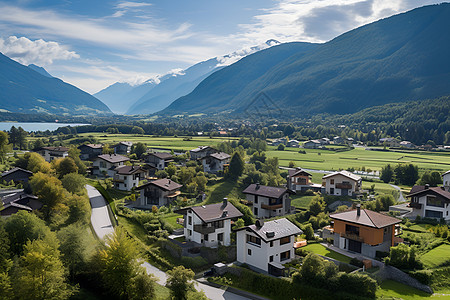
column 94, row 43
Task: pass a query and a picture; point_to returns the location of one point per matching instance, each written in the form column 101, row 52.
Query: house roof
column 15, row 170
column 343, row 173
column 312, row 141
column 93, row 146
column 18, row 200
column 416, row 189
column 202, row 148
column 165, row 184
column 448, row 172
column 274, row 230
column 298, row 171
column 366, row 218
column 265, row 191
column 219, row 156
column 113, row 158
column 128, row 144
column 437, row 190
column 128, row 170
column 57, row 149
column 216, row 212
column 17, row 196
column 161, row 155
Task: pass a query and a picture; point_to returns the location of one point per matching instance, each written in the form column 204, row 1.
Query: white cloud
column 38, row 52
column 130, row 4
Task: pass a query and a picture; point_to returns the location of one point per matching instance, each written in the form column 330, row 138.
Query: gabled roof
column 219, row 156
column 448, row 172
column 366, row 218
column 113, row 158
column 128, row 170
column 416, row 189
column 313, row 141
column 343, row 173
column 165, row 184
column 213, row 212
column 15, row 170
column 93, row 146
column 128, row 144
column 56, row 149
column 161, row 155
column 434, row 190
column 202, row 148
column 274, row 230
column 265, row 191
column 17, row 196
column 298, row 171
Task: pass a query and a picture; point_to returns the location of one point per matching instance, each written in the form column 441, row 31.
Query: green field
column 301, row 201
column 324, row 251
column 436, row 257
column 390, row 289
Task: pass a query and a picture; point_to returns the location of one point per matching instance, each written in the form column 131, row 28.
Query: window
column 433, row 201
column 350, row 229
column 256, row 199
column 255, row 211
column 332, row 191
column 253, row 240
column 220, row 237
column 189, row 232
column 190, row 220
column 271, row 244
column 249, row 251
column 205, row 237
column 285, row 255
column 271, row 258
column 217, row 224
column 285, row 240
column 433, row 214
column 331, row 181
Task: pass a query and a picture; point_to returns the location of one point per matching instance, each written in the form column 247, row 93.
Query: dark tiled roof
column 220, row 155
column 437, row 190
column 15, row 170
column 113, row 158
column 58, row 149
column 21, row 200
column 274, row 230
column 265, row 191
column 367, row 218
column 93, row 146
column 165, row 184
column 128, row 170
column 215, row 212
column 298, row 171
column 161, row 155
column 416, row 189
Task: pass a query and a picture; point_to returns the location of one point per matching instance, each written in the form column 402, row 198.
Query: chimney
column 427, row 186
column 259, row 223
column 257, row 186
column 225, row 202
column 358, row 210
column 224, row 214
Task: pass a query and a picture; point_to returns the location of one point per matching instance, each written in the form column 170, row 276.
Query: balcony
column 343, row 186
column 415, row 205
column 352, row 236
column 118, row 180
column 204, row 229
column 272, row 207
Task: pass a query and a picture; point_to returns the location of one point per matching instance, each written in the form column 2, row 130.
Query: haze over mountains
column 401, row 58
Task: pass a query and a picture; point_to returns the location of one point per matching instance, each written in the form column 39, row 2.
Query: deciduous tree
column 180, row 281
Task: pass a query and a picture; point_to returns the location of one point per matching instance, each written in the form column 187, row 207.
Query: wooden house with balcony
column 342, row 183
column 160, row 192
column 430, row 202
column 51, row 153
column 158, row 160
column 210, row 225
column 106, row 164
column 128, row 177
column 364, row 231
column 202, row 151
column 299, row 180
column 90, row 151
column 268, row 201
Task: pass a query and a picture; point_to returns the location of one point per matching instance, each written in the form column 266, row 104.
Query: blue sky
column 95, row 43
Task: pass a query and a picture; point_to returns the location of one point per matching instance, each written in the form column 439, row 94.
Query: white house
column 51, row 153
column 127, row 177
column 210, row 225
column 106, row 164
column 202, row 151
column 407, row 144
column 430, row 202
column 446, row 180
column 158, row 193
column 266, row 246
column 300, row 180
column 159, row 160
column 312, row 144
column 215, row 162
column 342, row 183
column 268, row 201
column 123, row 148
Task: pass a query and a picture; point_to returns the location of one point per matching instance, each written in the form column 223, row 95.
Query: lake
column 6, row 126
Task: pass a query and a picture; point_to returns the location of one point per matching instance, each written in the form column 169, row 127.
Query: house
column 391, row 142
column 215, row 162
column 123, row 148
column 210, row 225
column 364, row 231
column 430, row 202
column 158, row 193
column 127, row 177
column 279, row 141
column 324, row 141
column 159, row 160
column 293, row 143
column 51, row 153
column 19, row 200
column 90, row 151
column 300, row 180
column 202, row 151
column 407, row 144
column 105, row 164
column 268, row 201
column 337, row 140
column 446, row 180
column 349, row 141
column 342, row 183
column 17, row 175
column 266, row 246
column 312, row 144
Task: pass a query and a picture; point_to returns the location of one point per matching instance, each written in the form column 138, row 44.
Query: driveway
column 99, row 213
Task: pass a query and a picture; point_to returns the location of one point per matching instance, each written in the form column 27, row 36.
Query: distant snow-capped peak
column 229, row 59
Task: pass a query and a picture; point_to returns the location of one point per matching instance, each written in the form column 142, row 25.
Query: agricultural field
column 436, row 257
column 390, row 289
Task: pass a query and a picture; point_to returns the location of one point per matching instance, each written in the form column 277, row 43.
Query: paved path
column 99, row 213
column 400, row 197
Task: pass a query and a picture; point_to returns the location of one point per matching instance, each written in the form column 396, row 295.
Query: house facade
column 293, row 143
column 215, row 162
column 160, row 192
column 128, row 177
column 300, row 181
column 90, row 151
column 266, row 246
column 342, row 183
column 202, row 151
column 446, row 181
column 312, row 144
column 159, row 160
column 105, row 164
column 17, row 175
column 123, row 148
column 210, row 225
column 268, row 201
column 51, row 153
column 363, row 231
column 430, row 202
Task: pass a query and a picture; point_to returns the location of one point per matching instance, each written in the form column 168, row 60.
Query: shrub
column 356, row 262
column 193, row 262
column 423, row 276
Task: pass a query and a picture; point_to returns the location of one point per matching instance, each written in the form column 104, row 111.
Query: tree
column 36, row 163
column 238, row 224
column 291, row 164
column 280, row 147
column 432, row 179
column 5, row 262
column 315, row 271
column 137, row 130
column 38, row 144
column 403, row 257
column 309, row 232
column 64, row 166
column 142, row 287
column 21, row 138
column 74, row 153
column 6, row 291
column 236, row 166
column 317, row 205
column 386, row 174
column 179, row 282
column 139, row 149
column 40, row 273
column 13, row 136
column 74, row 183
column 73, row 248
column 48, row 189
column 3, row 145
column 120, row 266
column 79, row 209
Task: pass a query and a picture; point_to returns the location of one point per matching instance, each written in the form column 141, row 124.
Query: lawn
column 390, row 289
column 223, row 189
column 172, row 220
column 436, row 257
column 301, row 201
column 324, row 251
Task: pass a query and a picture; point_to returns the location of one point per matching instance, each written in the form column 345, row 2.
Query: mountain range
column 29, row 90
column 400, row 58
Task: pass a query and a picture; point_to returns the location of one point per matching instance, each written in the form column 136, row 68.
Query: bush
column 423, row 276
column 194, row 262
column 356, row 262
